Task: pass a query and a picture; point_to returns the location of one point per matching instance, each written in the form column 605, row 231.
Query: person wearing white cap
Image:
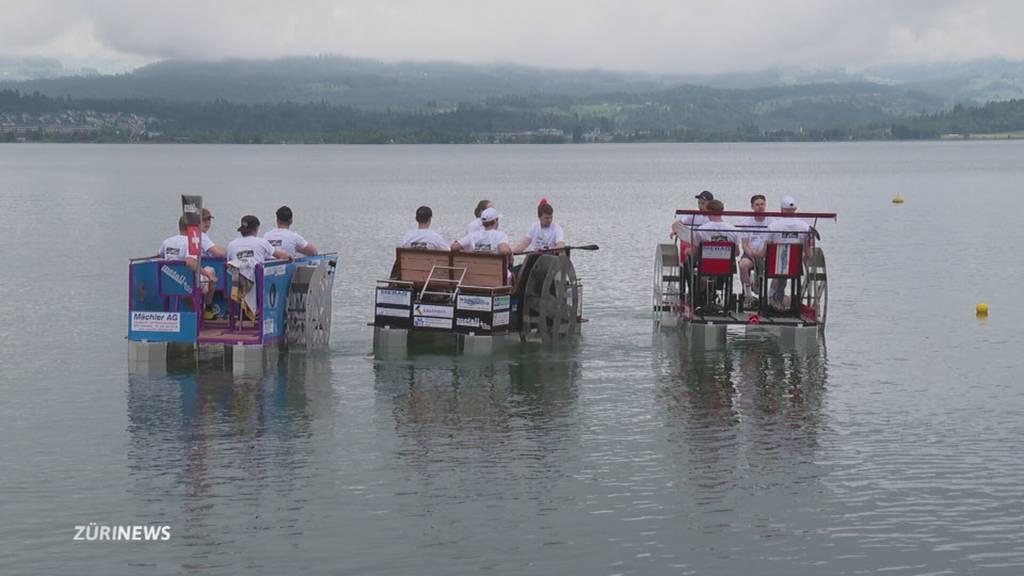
column 787, row 231
column 489, row 239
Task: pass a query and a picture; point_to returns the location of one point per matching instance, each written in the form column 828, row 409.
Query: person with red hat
column 544, row 234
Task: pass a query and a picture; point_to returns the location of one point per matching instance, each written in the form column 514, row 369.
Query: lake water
column 893, row 447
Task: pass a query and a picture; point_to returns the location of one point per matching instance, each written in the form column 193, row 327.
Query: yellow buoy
column 897, row 199
column 981, row 309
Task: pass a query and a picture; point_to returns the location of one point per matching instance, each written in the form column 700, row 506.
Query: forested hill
column 371, row 84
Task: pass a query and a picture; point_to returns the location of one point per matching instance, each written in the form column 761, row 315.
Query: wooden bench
column 484, row 271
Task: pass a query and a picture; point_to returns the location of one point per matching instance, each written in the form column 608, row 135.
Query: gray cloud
column 669, row 36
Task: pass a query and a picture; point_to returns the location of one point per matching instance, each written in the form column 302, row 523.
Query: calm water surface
column 893, row 447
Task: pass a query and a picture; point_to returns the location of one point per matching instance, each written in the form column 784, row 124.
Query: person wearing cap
column 681, row 228
column 475, row 225
column 543, row 234
column 250, row 247
column 176, row 248
column 282, row 237
column 490, row 239
column 209, row 248
column 787, row 231
column 755, row 237
column 422, row 236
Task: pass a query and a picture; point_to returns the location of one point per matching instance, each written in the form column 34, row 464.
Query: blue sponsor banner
column 277, row 277
column 143, row 287
column 176, row 279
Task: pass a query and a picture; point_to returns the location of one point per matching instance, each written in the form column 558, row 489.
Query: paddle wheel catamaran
column 694, row 288
column 473, row 297
column 277, row 303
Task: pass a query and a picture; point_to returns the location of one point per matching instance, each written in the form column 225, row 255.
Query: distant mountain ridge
column 372, row 84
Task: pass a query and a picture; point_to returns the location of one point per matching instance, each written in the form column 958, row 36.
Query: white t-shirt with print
column 424, row 238
column 286, row 240
column 545, row 238
column 718, row 232
column 484, row 241
column 175, row 248
column 250, row 247
column 788, row 231
column 755, row 232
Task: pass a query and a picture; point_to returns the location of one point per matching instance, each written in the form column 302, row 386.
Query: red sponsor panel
column 716, row 258
column 783, row 260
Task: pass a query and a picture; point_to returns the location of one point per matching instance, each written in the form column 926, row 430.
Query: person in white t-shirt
column 282, row 237
column 422, row 236
column 755, row 237
column 475, row 225
column 544, row 234
column 250, row 247
column 681, row 228
column 176, row 248
column 787, row 231
column 209, row 248
column 716, row 229
column 490, row 239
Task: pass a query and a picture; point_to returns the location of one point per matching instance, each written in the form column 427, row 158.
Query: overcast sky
column 652, row 35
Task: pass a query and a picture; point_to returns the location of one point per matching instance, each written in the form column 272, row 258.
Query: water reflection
column 744, row 419
column 215, row 452
column 482, row 442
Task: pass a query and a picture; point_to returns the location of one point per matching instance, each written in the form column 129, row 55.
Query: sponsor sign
column 427, row 322
column 268, row 326
column 433, row 310
column 501, row 302
column 501, row 318
column 275, row 270
column 473, row 302
column 472, row 323
column 394, row 297
column 716, row 252
column 156, row 322
column 468, row 322
column 393, row 312
column 178, row 277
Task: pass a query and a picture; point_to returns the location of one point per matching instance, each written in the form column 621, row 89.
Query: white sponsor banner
column 501, row 302
column 716, row 252
column 268, row 326
column 393, row 312
column 427, row 322
column 433, row 310
column 394, row 297
column 473, row 302
column 278, row 270
column 501, row 318
column 156, row 322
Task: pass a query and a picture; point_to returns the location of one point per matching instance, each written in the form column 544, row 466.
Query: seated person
column 422, row 236
column 282, row 237
column 250, row 247
column 544, row 234
column 715, row 229
column 475, row 225
column 755, row 238
column 489, row 239
column 681, row 228
column 176, row 248
column 787, row 231
column 209, row 248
